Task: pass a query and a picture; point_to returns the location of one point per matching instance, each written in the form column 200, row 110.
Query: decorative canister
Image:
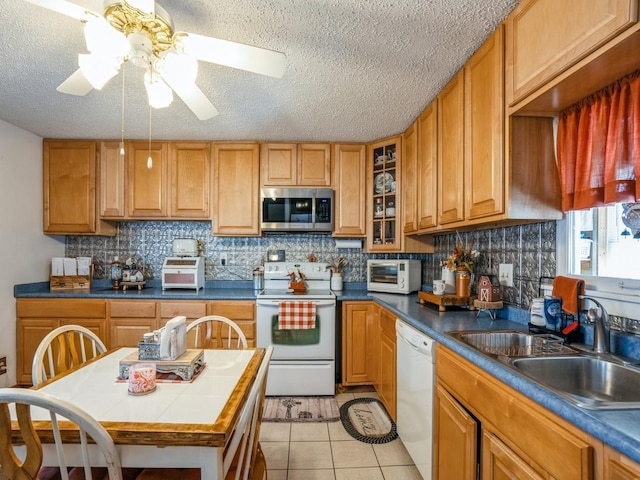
column 463, row 283
column 449, row 277
column 537, row 312
column 336, row 281
column 258, row 279
column 552, row 311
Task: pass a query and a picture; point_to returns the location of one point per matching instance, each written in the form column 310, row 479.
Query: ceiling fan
column 141, row 32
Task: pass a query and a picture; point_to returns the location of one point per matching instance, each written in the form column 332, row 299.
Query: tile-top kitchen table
column 185, row 424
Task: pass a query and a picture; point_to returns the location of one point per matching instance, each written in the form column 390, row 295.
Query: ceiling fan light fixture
column 159, row 93
column 103, row 39
column 98, row 70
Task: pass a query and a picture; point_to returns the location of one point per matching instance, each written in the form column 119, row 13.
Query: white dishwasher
column 415, row 380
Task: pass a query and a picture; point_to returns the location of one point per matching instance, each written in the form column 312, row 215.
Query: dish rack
column 537, row 346
column 566, row 319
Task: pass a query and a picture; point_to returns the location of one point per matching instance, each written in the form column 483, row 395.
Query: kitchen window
column 593, row 244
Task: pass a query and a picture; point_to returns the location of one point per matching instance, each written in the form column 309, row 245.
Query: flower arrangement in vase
column 463, row 257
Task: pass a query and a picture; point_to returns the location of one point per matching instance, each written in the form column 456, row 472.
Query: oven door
column 310, row 344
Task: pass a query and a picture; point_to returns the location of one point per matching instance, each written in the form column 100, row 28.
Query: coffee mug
column 438, row 287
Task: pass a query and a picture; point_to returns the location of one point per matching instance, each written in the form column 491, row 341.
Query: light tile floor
column 325, row 451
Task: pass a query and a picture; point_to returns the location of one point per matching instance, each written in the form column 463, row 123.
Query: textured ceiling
column 357, row 70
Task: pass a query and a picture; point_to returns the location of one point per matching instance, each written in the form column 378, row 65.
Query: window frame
column 620, row 296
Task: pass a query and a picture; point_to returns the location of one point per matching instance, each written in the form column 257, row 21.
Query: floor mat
column 300, row 409
column 367, row 420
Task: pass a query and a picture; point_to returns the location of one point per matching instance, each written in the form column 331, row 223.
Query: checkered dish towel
column 297, row 315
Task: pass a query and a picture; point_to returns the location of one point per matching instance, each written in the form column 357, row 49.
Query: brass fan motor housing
column 127, row 19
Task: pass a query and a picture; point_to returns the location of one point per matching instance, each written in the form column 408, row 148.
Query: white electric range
column 303, row 361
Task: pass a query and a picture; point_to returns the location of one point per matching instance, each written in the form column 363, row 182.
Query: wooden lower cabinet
column 619, row 467
column 129, row 320
column 369, row 349
column 386, row 382
column 515, row 437
column 243, row 312
column 35, row 318
column 499, row 461
column 358, row 336
column 118, row 323
column 455, row 445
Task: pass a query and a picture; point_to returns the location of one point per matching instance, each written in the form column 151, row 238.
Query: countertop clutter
column 619, row 429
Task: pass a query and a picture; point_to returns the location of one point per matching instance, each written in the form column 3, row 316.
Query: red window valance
column 598, row 147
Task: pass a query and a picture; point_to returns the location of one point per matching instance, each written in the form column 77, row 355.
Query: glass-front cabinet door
column 384, row 195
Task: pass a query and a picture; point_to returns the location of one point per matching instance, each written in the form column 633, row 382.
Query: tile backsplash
column 530, row 248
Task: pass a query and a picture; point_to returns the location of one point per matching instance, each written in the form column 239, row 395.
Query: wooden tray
column 185, row 367
column 444, row 301
column 70, row 282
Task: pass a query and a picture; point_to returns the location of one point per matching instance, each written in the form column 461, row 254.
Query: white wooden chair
column 59, row 411
column 243, row 458
column 63, row 348
column 215, row 331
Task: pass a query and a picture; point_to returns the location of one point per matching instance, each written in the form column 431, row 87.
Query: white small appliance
column 303, row 361
column 185, row 269
column 394, row 276
column 415, row 377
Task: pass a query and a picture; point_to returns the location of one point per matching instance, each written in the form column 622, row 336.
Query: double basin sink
column 584, row 379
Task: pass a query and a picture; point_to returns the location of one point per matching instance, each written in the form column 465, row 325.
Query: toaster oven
column 394, row 276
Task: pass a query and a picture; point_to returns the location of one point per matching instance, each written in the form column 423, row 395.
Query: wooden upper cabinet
column 146, row 187
column 349, row 174
column 410, row 176
column 384, row 196
column 190, row 177
column 279, row 164
column 427, row 163
column 112, row 181
column 236, row 200
column 451, row 151
column 69, row 189
column 545, row 37
column 484, row 129
column 314, row 164
column 290, row 164
column 176, row 186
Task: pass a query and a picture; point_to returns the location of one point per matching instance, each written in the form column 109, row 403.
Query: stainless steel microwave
column 296, row 210
column 394, row 276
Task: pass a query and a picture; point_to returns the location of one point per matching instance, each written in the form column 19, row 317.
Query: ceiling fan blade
column 236, row 55
column 66, row 8
column 148, row 7
column 76, row 84
column 191, row 95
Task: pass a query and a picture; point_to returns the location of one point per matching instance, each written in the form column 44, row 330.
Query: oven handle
column 276, row 302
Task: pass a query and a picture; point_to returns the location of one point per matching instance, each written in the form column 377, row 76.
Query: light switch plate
column 505, row 274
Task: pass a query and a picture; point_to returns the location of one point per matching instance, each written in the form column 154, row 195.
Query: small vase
column 463, row 282
column 449, row 277
column 336, row 281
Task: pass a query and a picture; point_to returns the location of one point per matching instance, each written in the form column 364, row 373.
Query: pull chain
column 122, row 111
column 149, row 159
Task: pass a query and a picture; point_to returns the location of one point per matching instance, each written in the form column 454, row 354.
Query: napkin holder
column 171, row 345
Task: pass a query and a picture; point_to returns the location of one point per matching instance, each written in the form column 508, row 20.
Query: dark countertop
column 618, row 428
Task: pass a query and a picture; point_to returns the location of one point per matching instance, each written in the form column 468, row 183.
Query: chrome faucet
column 601, row 342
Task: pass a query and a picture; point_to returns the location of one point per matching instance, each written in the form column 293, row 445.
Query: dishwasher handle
column 415, row 339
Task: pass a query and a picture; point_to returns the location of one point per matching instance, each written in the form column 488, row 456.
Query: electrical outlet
column 505, row 274
column 3, row 365
column 223, row 259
